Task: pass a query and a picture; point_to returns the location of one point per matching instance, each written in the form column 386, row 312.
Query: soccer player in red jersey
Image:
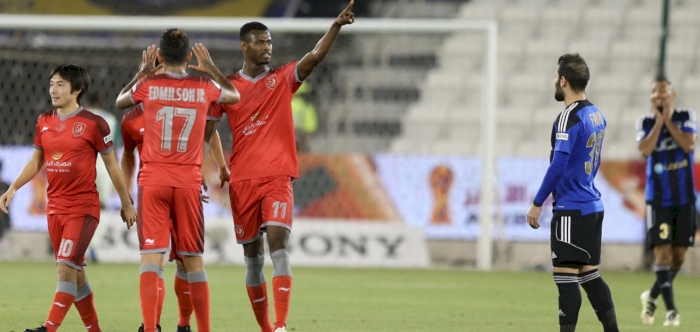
column 132, row 132
column 264, row 160
column 67, row 141
column 175, row 107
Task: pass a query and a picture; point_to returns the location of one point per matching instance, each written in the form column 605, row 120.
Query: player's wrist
column 536, row 204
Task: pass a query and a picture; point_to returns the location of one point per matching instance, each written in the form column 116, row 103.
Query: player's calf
column 256, row 287
column 601, row 299
column 281, row 285
column 569, row 300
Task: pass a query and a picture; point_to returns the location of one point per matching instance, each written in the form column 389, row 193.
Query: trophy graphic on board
column 441, row 183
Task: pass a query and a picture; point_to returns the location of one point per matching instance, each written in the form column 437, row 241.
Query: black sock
column 601, row 300
column 569, row 300
column 656, row 289
column 665, row 282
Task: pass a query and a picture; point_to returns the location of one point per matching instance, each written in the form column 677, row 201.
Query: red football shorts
column 70, row 236
column 261, row 202
column 163, row 211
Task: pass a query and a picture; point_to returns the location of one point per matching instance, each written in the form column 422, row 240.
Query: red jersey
column 132, row 131
column 175, row 115
column 70, row 145
column 262, row 124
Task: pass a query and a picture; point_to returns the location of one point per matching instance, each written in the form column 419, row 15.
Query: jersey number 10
column 595, row 142
column 166, row 115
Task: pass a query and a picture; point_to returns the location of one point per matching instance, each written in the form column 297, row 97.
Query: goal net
column 404, row 110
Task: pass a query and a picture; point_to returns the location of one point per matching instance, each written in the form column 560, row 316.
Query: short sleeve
column 642, row 129
column 292, row 76
column 101, row 137
column 216, row 112
column 213, row 92
column 139, row 91
column 37, row 135
column 690, row 123
column 565, row 140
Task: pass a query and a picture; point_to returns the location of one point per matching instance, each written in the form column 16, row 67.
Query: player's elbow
column 688, row 148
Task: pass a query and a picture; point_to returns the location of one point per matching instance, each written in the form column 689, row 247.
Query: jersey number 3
column 595, row 143
column 166, row 116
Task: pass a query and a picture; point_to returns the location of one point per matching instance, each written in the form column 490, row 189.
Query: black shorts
column 673, row 225
column 575, row 239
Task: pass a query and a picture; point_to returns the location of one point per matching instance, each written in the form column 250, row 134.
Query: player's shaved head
column 575, row 70
column 250, row 26
column 174, row 46
column 75, row 75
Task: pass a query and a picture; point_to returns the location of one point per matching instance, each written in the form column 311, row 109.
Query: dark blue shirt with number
column 669, row 169
column 579, row 131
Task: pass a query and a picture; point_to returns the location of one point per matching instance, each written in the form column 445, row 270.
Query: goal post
column 488, row 85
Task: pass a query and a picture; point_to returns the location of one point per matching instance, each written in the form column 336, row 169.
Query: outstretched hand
column 204, row 62
column 148, row 61
column 346, row 16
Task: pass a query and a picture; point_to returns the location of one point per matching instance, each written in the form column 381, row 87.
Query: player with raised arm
column 264, row 160
column 132, row 133
column 67, row 141
column 577, row 221
column 667, row 139
column 175, row 107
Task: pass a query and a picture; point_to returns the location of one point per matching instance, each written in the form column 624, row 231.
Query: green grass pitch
column 326, row 299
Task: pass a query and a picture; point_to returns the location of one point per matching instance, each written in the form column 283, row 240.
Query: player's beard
column 558, row 93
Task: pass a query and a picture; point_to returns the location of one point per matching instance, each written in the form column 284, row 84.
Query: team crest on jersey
column 271, row 81
column 56, row 155
column 78, row 128
column 239, row 230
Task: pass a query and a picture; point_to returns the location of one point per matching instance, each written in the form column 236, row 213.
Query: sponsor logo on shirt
column 44, row 129
column 79, row 128
column 107, row 138
column 660, row 168
column 56, row 155
column 252, row 128
column 562, row 136
column 58, row 167
column 271, row 81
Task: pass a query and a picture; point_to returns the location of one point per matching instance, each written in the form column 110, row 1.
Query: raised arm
column 307, row 64
column 30, row 170
column 229, row 94
column 685, row 140
column 148, row 60
column 647, row 144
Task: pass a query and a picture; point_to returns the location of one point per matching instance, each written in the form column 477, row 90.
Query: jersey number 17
column 166, row 116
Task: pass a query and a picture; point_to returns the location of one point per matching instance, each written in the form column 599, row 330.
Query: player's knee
column 663, row 255
column 280, row 263
column 678, row 261
column 67, row 272
column 254, row 274
column 193, row 263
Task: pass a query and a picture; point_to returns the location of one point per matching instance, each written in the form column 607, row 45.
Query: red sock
column 199, row 294
column 259, row 302
column 59, row 309
column 161, row 298
column 184, row 303
column 88, row 313
column 282, row 291
column 148, row 293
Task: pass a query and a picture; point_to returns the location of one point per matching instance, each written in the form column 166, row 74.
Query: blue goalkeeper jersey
column 579, row 132
column 669, row 169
